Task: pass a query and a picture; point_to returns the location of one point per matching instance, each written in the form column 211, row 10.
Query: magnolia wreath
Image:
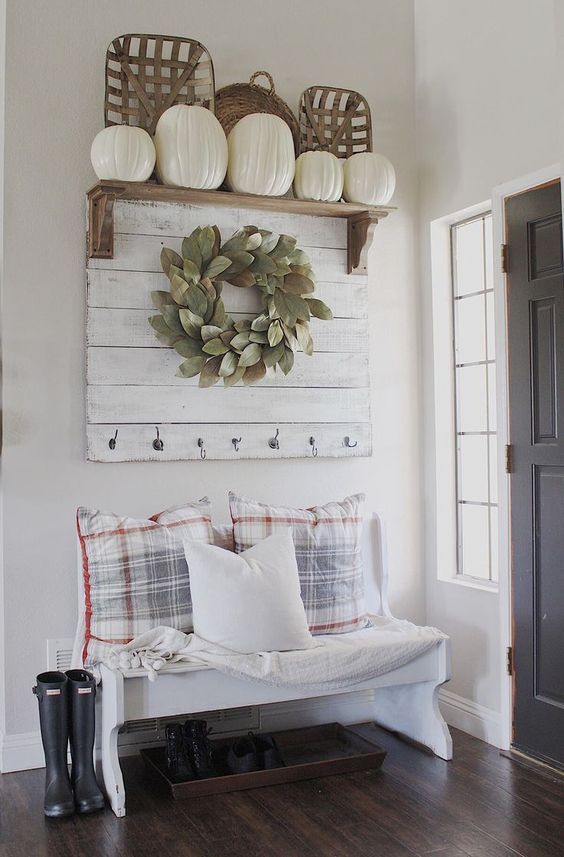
column 192, row 315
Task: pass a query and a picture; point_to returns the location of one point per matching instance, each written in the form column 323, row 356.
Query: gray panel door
column 536, row 402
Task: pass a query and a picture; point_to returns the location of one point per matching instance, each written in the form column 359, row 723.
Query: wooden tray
column 317, row 751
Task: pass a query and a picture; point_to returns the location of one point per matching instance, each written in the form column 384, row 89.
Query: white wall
column 54, row 97
column 2, row 78
column 487, row 112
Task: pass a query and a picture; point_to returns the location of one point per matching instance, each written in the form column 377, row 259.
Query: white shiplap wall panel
column 149, row 366
column 142, row 253
column 135, row 442
column 139, row 404
column 132, row 290
column 130, row 328
column 132, row 386
column 173, row 220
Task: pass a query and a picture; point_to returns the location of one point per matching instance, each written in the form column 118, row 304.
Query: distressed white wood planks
column 165, row 218
column 132, row 290
column 155, row 366
column 180, row 442
column 130, row 328
column 142, row 253
column 132, row 386
column 140, row 404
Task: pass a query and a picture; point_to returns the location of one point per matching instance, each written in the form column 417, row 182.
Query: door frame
column 500, row 194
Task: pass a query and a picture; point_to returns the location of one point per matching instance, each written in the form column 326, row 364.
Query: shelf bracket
column 360, row 234
column 101, row 220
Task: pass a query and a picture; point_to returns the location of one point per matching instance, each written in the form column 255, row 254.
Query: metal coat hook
column 158, row 445
column 112, row 441
column 201, row 445
column 273, row 441
column 236, row 441
column 313, row 446
column 349, row 444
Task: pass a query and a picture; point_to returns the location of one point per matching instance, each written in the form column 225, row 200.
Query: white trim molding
column 444, row 398
column 470, row 717
column 499, row 195
column 20, row 752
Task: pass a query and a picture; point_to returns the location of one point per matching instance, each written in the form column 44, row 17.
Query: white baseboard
column 20, row 752
column 24, row 751
column 468, row 716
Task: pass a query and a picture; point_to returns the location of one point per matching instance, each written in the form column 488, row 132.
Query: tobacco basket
column 334, row 120
column 239, row 99
column 147, row 74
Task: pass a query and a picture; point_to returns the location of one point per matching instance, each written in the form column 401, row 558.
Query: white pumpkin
column 123, row 152
column 319, row 175
column 369, row 179
column 191, row 148
column 261, row 155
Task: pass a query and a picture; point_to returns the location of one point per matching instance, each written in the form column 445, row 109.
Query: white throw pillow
column 248, row 602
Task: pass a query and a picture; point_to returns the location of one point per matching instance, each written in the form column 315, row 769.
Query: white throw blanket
column 338, row 660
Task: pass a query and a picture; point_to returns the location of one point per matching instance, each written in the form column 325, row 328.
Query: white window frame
column 445, row 399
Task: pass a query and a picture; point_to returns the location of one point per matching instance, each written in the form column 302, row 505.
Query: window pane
column 470, row 327
column 471, row 398
column 473, row 462
column 493, row 468
column 474, row 521
column 468, row 258
column 490, row 325
column 492, row 398
column 475, row 388
column 493, row 545
column 488, row 249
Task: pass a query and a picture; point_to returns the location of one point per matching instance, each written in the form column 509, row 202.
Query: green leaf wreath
column 192, row 314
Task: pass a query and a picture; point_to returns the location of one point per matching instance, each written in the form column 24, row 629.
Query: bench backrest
column 373, row 554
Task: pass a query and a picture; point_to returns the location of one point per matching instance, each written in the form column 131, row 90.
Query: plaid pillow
column 327, row 540
column 135, row 573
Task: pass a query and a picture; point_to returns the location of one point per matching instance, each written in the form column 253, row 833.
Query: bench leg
column 413, row 709
column 112, row 720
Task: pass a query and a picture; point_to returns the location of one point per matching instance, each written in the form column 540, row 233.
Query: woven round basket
column 239, row 99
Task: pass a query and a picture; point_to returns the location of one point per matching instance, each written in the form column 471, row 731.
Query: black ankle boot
column 177, row 761
column 82, row 703
column 51, row 691
column 198, row 748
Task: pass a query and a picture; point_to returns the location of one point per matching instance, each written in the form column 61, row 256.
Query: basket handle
column 270, row 89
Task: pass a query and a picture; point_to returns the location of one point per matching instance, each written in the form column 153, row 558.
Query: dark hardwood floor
column 479, row 805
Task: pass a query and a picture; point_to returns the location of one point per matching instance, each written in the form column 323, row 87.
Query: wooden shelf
column 361, row 219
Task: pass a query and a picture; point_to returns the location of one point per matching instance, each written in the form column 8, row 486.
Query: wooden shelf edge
column 361, row 219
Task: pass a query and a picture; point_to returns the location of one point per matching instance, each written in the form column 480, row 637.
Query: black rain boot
column 51, row 690
column 82, row 704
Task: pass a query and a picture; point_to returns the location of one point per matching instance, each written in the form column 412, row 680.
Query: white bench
column 405, row 700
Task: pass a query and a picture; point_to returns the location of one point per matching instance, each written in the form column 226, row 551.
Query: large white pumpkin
column 319, row 175
column 123, row 152
column 261, row 155
column 369, row 179
column 191, row 148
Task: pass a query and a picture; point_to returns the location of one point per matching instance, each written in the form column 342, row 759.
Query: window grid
column 487, row 572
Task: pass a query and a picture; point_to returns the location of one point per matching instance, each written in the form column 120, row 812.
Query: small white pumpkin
column 191, row 148
column 319, row 175
column 261, row 155
column 123, row 152
column 369, row 179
